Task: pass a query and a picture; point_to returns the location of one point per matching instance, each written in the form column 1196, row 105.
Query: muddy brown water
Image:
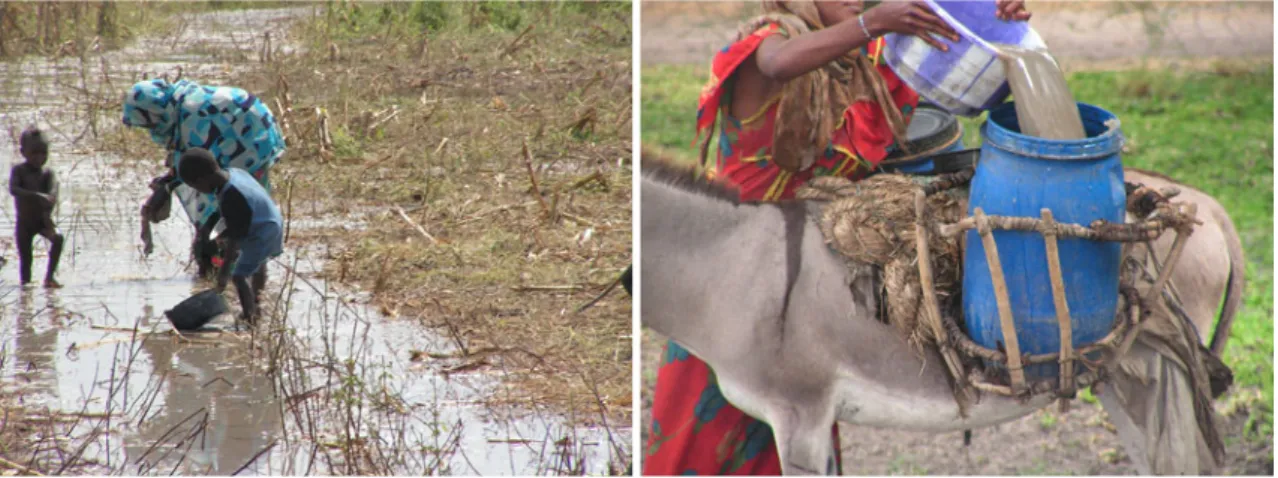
column 1045, row 107
column 200, row 404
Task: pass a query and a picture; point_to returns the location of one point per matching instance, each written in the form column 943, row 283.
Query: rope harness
column 911, row 227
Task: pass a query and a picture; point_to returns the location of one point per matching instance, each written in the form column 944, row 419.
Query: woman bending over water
column 234, row 125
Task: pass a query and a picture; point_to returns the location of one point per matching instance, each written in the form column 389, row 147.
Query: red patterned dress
column 694, row 430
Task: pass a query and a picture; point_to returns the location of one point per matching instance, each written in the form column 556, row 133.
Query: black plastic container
column 197, row 311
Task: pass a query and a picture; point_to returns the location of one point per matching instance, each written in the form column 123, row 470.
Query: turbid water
column 1045, row 107
column 326, row 388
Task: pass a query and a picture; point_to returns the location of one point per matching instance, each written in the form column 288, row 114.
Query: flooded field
column 326, row 386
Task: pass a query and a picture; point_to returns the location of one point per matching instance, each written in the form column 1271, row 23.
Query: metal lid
column 929, row 122
column 932, row 128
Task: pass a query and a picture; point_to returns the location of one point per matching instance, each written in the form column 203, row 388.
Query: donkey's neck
column 691, row 218
column 786, row 324
column 692, row 242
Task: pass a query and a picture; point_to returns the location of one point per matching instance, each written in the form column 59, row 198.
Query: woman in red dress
column 800, row 94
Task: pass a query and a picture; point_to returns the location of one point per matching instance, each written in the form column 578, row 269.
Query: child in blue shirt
column 254, row 227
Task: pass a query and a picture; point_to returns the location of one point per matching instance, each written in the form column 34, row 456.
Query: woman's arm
column 206, row 230
column 781, row 59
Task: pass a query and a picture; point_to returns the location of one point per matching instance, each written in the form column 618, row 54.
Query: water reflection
column 37, row 337
column 219, row 412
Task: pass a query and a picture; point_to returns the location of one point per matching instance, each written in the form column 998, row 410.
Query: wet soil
column 325, row 386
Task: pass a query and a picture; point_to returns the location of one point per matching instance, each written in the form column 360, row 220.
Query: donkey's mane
column 1155, row 174
column 684, row 177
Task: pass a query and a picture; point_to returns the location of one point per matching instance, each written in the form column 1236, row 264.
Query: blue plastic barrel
column 1080, row 181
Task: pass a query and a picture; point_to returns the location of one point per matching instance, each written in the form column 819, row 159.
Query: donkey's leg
column 804, row 441
column 800, row 417
column 1129, row 433
column 1151, row 403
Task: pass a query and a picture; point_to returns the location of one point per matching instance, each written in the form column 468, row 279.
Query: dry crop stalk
column 536, row 190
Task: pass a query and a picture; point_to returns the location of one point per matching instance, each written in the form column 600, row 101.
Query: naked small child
column 35, row 193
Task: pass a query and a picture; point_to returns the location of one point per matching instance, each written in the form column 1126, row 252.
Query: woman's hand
column 166, row 181
column 1012, row 10
column 910, row 18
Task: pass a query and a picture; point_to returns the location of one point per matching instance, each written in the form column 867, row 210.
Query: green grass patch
column 1211, row 130
column 669, row 107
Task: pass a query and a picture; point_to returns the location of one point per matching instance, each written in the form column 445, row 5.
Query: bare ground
column 1080, row 442
column 1082, row 35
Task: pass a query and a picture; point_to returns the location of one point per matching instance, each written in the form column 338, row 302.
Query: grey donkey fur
column 789, row 328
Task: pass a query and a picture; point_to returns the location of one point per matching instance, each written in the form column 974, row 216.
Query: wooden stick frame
column 953, row 342
column 1062, row 310
column 931, row 313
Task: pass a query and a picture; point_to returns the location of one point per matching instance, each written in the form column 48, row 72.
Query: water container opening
column 1093, row 119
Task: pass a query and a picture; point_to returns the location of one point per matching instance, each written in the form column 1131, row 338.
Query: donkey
column 1213, row 265
column 1153, row 392
column 789, row 328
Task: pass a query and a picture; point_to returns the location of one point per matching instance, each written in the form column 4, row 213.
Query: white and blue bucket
column 968, row 79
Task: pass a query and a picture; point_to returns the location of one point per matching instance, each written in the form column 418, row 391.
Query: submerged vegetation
column 78, row 28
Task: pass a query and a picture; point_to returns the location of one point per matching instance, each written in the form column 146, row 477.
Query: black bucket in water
column 197, row 310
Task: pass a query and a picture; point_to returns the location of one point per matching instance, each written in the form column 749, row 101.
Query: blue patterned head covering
column 232, row 124
column 150, row 104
